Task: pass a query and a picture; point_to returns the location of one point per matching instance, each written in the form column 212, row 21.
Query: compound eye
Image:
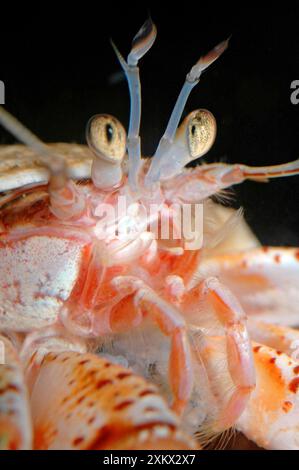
column 201, row 131
column 106, row 137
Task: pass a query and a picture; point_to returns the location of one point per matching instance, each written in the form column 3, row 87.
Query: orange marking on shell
column 78, row 440
column 103, row 383
column 146, row 392
column 123, row 375
column 277, row 258
column 123, row 405
column 287, row 406
column 294, row 385
column 297, row 255
column 296, row 370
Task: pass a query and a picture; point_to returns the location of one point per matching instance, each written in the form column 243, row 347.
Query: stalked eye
column 193, row 138
column 201, row 132
column 106, row 137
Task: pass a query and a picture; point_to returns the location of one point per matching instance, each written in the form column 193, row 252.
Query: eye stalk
column 192, row 140
column 106, row 138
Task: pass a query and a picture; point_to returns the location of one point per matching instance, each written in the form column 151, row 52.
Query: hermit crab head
column 178, row 146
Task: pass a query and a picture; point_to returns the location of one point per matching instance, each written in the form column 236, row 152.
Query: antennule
column 191, row 81
column 141, row 43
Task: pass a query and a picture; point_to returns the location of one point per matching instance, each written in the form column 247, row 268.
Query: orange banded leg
column 238, row 348
column 144, row 302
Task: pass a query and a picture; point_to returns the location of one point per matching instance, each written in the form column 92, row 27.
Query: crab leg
column 265, row 280
column 271, row 416
column 232, row 174
column 215, row 177
column 95, row 404
column 142, row 302
column 211, row 294
column 15, row 421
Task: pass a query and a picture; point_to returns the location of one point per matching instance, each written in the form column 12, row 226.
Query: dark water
column 56, row 67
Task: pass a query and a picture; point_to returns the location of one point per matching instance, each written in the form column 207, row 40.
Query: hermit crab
column 92, row 291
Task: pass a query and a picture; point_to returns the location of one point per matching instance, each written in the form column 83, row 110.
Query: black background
column 56, row 62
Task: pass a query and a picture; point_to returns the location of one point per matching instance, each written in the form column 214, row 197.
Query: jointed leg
column 144, row 302
column 215, row 177
column 238, row 348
